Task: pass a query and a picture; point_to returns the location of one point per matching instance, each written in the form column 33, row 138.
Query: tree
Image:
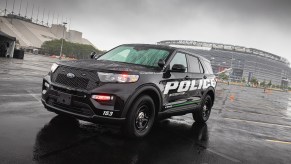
column 254, row 80
column 223, row 76
column 243, row 80
column 76, row 50
column 270, row 83
column 263, row 84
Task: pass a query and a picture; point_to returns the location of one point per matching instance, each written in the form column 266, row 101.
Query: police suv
column 132, row 85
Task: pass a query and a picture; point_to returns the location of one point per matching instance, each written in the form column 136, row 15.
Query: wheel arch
column 146, row 89
column 211, row 92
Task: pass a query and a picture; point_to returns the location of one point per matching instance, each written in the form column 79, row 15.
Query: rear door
column 209, row 77
column 196, row 74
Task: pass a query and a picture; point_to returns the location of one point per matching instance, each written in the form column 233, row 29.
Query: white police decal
column 188, row 85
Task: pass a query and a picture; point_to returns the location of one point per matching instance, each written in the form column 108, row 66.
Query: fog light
column 43, row 91
column 46, row 85
column 102, row 97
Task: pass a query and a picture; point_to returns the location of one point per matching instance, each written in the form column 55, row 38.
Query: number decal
column 107, row 113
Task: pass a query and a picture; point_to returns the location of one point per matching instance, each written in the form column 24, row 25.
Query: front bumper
column 81, row 105
column 93, row 118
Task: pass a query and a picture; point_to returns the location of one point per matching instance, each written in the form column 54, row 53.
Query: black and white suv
column 132, row 85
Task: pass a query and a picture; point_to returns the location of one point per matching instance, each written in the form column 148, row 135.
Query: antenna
column 53, row 17
column 32, row 11
column 37, row 14
column 58, row 19
column 5, row 8
column 48, row 15
column 13, row 8
column 26, row 9
column 42, row 16
column 70, row 23
column 20, row 8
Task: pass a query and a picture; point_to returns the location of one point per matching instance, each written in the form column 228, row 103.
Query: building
column 31, row 35
column 245, row 62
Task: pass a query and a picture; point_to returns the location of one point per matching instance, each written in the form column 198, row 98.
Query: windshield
column 140, row 55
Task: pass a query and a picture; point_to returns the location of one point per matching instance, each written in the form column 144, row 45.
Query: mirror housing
column 92, row 54
column 178, row 68
column 161, row 63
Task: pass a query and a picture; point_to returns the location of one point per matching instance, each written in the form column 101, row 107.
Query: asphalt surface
column 246, row 126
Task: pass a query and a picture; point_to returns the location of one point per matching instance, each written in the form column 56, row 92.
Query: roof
column 153, row 46
column 6, row 36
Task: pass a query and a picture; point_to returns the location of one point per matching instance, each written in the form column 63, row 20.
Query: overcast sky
column 261, row 24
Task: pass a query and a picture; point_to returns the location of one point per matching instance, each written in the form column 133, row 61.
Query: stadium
column 31, row 26
column 244, row 63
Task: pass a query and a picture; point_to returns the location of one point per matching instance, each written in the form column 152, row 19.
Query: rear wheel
column 202, row 114
column 141, row 117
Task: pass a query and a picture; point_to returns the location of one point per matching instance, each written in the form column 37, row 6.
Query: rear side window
column 208, row 68
column 194, row 64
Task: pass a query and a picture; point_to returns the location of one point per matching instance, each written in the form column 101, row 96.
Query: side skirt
column 182, row 110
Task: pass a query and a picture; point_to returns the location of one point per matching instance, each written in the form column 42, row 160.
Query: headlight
column 117, row 78
column 54, row 67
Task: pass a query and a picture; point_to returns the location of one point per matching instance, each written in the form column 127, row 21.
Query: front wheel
column 141, row 117
column 202, row 114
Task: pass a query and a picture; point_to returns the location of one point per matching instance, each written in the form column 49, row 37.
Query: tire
column 140, row 118
column 202, row 114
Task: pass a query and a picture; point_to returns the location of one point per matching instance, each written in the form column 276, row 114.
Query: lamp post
column 64, row 23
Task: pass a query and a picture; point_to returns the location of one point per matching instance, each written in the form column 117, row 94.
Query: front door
column 176, row 84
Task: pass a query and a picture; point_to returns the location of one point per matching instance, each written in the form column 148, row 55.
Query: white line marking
column 19, row 95
column 277, row 141
column 224, row 156
column 34, row 95
column 255, row 122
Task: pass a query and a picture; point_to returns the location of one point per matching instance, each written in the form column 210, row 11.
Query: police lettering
column 189, row 85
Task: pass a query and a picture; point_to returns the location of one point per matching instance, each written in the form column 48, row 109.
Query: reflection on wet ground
column 246, row 126
column 95, row 143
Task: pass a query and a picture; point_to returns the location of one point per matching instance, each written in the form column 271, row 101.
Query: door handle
column 187, row 78
column 204, row 77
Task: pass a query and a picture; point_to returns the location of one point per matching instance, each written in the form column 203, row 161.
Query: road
column 246, row 126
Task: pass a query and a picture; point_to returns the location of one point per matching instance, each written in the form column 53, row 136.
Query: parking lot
column 246, row 126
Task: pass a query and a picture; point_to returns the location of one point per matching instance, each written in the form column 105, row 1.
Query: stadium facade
column 31, row 35
column 245, row 63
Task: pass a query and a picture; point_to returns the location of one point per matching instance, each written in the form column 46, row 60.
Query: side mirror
column 92, row 55
column 178, row 68
column 161, row 63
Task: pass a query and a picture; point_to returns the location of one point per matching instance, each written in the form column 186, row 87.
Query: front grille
column 84, row 79
column 77, row 82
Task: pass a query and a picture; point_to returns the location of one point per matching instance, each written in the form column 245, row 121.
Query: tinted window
column 194, row 65
column 179, row 59
column 208, row 67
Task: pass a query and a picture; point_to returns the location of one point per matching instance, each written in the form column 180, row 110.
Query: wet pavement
column 246, row 126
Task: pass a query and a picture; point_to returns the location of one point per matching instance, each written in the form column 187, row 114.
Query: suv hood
column 105, row 65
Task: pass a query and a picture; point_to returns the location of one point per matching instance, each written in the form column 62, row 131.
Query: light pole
column 64, row 23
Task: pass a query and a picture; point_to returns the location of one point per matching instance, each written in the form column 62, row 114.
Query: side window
column 202, row 70
column 179, row 58
column 208, row 67
column 194, row 64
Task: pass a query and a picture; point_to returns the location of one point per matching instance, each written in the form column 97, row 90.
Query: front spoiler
column 93, row 119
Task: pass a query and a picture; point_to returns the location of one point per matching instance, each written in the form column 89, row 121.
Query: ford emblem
column 70, row 75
